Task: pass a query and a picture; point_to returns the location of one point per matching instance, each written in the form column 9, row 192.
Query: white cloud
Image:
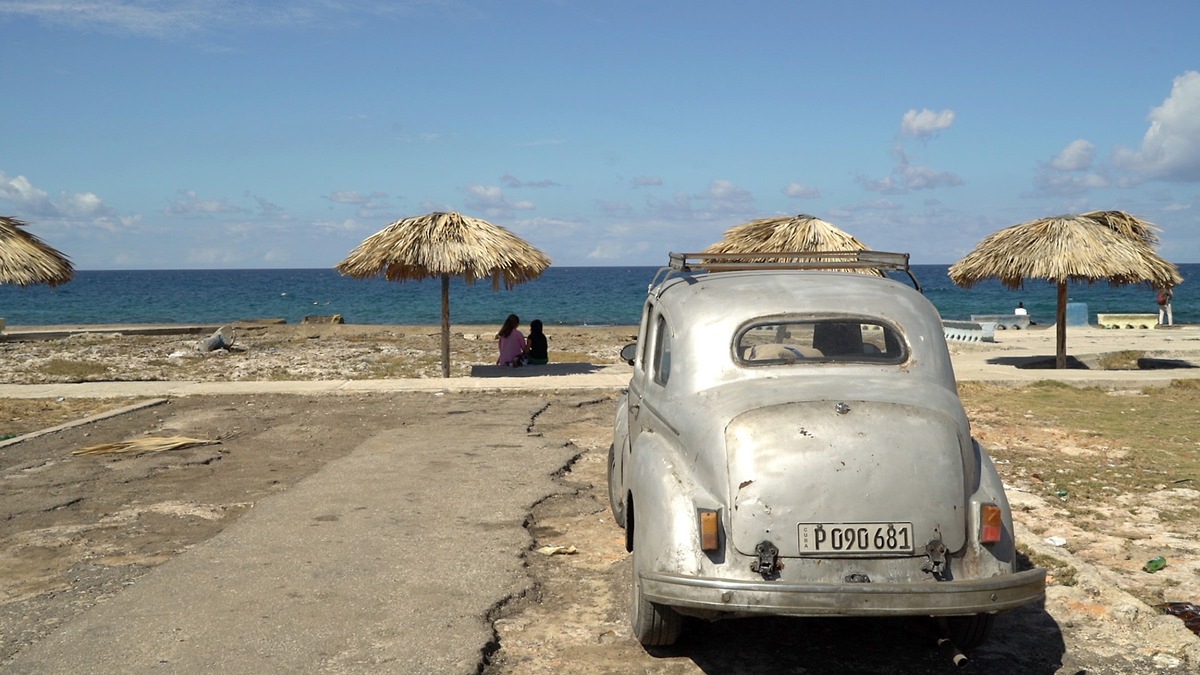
column 512, row 181
column 724, row 195
column 347, row 225
column 187, row 203
column 371, row 206
column 1069, row 172
column 184, row 17
column 1063, row 183
column 1075, row 157
column 719, row 201
column 646, row 181
column 907, row 178
column 21, row 193
column 354, row 197
column 613, row 208
column 491, row 201
column 925, row 123
column 1171, row 147
column 801, row 191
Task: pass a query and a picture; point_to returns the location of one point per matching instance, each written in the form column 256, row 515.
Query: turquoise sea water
column 561, row 296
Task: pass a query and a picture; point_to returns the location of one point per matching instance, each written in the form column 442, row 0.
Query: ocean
column 572, row 296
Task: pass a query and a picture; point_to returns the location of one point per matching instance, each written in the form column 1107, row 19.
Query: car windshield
column 819, row 341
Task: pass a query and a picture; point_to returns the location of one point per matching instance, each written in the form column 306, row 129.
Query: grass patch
column 1092, row 443
column 72, row 371
column 1061, row 573
column 1123, row 360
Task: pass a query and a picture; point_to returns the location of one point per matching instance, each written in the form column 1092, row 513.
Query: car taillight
column 710, row 527
column 991, row 523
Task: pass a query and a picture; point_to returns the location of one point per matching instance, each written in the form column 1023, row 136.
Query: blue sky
column 159, row 134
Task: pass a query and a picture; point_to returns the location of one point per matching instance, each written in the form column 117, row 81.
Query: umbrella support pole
column 445, row 325
column 1060, row 333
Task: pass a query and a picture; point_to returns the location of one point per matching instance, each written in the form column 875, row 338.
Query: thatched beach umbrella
column 445, row 245
column 1110, row 246
column 26, row 260
column 785, row 234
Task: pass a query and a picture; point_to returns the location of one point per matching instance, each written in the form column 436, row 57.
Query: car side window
column 662, row 351
column 644, row 336
column 820, row 341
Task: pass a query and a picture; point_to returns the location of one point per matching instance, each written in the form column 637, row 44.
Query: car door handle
column 634, row 410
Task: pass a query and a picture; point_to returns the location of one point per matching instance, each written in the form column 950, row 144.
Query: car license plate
column 855, row 538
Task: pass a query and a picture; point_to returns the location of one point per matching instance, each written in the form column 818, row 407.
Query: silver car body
column 803, row 447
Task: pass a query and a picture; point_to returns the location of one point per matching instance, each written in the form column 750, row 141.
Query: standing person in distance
column 1164, row 306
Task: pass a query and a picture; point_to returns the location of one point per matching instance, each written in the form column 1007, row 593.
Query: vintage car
column 792, row 443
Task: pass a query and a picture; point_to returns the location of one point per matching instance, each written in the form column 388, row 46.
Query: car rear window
column 819, row 341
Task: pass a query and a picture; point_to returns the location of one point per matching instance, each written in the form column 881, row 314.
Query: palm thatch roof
column 785, row 234
column 26, row 260
column 437, row 244
column 444, row 245
column 1110, row 246
column 1107, row 246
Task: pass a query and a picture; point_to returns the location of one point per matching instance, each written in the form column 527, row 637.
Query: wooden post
column 445, row 325
column 1060, row 342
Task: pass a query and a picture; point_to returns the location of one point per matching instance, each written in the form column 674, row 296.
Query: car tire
column 654, row 625
column 967, row 632
column 618, row 510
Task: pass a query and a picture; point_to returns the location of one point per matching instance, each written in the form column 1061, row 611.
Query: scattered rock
column 319, row 318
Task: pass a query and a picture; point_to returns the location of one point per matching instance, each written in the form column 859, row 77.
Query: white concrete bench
column 1003, row 321
column 969, row 331
column 1127, row 320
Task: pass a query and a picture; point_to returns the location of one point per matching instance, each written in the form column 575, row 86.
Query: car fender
column 618, row 453
column 1000, row 557
column 665, row 533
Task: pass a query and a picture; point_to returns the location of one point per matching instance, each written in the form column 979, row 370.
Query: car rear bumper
column 933, row 598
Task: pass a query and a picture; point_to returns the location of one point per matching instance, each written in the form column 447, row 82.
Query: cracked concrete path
column 391, row 558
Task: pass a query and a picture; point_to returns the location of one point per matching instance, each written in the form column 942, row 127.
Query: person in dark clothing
column 536, row 344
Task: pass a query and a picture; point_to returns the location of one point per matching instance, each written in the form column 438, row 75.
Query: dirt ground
column 77, row 530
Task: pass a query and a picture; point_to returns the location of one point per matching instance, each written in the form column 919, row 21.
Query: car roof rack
column 681, row 263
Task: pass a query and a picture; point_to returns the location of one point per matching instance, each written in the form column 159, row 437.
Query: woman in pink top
column 511, row 343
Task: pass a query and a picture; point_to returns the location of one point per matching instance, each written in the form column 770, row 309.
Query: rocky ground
column 285, row 352
column 1087, row 508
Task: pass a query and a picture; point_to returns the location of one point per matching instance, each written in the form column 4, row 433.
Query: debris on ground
column 158, row 444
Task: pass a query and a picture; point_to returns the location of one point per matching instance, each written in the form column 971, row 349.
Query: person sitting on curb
column 511, row 343
column 536, row 345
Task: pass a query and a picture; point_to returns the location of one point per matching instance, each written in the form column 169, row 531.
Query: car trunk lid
column 797, row 467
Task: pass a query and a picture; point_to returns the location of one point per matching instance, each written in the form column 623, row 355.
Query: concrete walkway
column 388, row 560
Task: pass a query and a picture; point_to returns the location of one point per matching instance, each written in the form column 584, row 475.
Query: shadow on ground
column 1111, row 361
column 535, row 371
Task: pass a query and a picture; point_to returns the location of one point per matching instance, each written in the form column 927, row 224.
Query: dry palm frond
column 446, row 243
column 801, row 233
column 1066, row 248
column 26, row 260
column 158, row 444
column 1125, row 224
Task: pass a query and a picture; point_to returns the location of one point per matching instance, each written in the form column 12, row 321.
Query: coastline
column 390, row 355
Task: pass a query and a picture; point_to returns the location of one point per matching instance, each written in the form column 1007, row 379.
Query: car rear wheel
column 969, row 631
column 654, row 625
column 613, row 503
